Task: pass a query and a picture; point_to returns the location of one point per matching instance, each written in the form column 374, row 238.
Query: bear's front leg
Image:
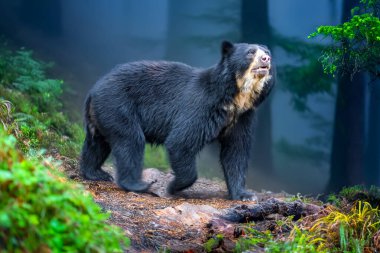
column 234, row 156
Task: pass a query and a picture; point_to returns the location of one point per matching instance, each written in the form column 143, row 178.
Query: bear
column 181, row 107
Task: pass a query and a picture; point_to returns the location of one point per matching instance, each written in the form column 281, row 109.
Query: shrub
column 36, row 116
column 42, row 212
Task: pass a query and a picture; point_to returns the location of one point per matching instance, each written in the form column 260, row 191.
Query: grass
column 155, row 157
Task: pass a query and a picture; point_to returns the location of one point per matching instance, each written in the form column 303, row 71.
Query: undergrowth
column 347, row 232
column 354, row 193
column 351, row 226
column 155, row 157
column 31, row 108
column 40, row 211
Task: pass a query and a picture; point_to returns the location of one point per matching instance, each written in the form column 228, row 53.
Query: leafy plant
column 356, row 43
column 36, row 118
column 252, row 238
column 42, row 212
column 298, row 241
column 213, row 243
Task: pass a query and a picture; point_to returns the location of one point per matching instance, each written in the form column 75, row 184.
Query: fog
column 86, row 38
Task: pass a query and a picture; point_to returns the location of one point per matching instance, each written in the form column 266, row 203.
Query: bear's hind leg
column 128, row 152
column 94, row 152
column 183, row 165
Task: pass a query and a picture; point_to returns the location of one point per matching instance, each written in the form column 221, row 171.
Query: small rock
column 186, row 214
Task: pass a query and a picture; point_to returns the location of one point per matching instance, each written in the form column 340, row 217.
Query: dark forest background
column 315, row 133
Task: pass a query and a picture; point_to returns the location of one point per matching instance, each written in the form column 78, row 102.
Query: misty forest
column 307, row 150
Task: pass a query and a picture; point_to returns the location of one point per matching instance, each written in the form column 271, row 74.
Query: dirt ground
column 156, row 222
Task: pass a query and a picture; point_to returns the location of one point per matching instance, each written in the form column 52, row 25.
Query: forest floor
column 156, row 222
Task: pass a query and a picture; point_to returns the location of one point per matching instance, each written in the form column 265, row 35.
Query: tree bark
column 255, row 28
column 373, row 136
column 347, row 156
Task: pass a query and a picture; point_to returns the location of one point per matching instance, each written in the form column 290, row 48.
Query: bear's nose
column 265, row 58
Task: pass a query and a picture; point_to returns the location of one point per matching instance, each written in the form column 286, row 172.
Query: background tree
column 255, row 28
column 303, row 82
column 355, row 50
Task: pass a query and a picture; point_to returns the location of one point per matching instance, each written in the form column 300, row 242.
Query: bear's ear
column 227, row 48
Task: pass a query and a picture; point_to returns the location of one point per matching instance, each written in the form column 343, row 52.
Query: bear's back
column 150, row 92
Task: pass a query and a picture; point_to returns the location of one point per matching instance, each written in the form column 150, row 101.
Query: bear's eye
column 251, row 52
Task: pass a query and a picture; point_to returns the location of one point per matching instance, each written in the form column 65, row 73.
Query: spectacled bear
column 181, row 107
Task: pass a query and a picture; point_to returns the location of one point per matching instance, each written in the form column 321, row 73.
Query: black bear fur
column 181, row 107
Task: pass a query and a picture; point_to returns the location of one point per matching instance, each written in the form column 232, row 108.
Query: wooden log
column 257, row 212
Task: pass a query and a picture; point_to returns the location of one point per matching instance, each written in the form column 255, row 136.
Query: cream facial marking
column 251, row 83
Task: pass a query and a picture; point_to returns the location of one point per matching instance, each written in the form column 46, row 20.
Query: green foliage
column 42, row 212
column 334, row 199
column 361, row 192
column 155, row 157
column 20, row 71
column 350, row 195
column 299, row 241
column 338, row 230
column 252, row 238
column 356, row 43
column 33, row 109
column 213, row 243
column 351, row 232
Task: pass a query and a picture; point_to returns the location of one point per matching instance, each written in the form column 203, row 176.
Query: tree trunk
column 373, row 136
column 347, row 156
column 255, row 28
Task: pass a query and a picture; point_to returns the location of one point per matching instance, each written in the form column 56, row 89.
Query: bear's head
column 251, row 65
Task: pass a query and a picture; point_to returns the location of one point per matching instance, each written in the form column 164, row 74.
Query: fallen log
column 258, row 212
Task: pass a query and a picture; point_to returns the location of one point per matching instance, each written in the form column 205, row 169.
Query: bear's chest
column 249, row 88
column 248, row 91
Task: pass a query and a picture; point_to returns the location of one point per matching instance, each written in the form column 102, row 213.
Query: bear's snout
column 265, row 58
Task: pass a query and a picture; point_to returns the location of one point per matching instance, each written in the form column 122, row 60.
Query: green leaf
column 33, row 219
column 5, row 221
